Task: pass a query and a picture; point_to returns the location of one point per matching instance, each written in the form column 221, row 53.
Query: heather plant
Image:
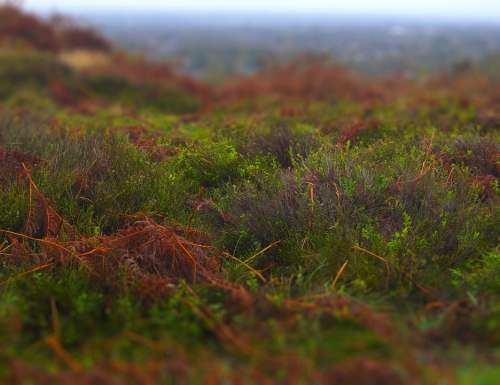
column 282, row 141
column 407, row 212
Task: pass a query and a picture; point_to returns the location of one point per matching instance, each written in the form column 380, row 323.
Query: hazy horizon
column 460, row 10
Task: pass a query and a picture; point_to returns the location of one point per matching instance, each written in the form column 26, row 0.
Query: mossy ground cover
column 277, row 229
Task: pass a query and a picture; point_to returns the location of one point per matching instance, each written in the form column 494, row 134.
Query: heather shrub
column 94, row 179
column 285, row 142
column 390, row 200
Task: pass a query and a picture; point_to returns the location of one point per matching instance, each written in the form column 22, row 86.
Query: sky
column 449, row 9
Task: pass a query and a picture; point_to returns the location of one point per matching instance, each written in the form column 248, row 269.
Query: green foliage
column 75, row 307
column 480, row 276
column 210, row 164
column 13, row 207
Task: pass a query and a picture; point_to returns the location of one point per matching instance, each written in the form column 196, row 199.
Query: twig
column 339, row 273
column 59, row 351
column 37, row 240
column 262, row 251
column 33, row 270
column 388, row 265
column 256, row 272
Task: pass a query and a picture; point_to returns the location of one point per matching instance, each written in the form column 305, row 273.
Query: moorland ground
column 306, row 224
